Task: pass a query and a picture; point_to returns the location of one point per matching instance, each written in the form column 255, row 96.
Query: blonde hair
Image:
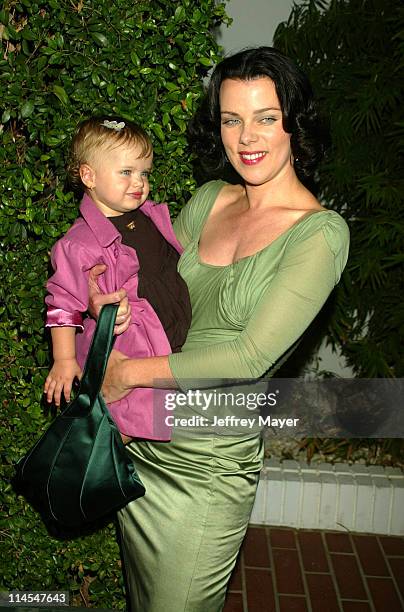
column 104, row 132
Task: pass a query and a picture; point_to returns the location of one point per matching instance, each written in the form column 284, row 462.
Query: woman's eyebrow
column 269, row 108
column 256, row 112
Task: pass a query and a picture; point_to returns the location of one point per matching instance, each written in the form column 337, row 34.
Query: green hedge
column 60, row 62
column 353, row 53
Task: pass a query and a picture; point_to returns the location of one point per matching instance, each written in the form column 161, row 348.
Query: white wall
column 254, row 23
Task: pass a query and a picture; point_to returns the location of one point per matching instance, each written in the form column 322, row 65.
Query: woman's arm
column 123, row 374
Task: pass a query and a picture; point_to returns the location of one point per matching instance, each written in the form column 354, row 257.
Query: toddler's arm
column 65, row 367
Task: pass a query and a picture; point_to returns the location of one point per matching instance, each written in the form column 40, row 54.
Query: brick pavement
column 290, row 570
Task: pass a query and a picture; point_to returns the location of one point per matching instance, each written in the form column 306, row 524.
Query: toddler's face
column 118, row 179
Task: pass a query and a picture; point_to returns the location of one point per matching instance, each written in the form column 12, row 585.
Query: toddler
column 110, row 161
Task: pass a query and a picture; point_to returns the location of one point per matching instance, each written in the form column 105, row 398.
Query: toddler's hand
column 60, row 379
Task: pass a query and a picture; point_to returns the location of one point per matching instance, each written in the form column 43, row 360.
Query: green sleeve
column 309, row 270
column 189, row 222
column 182, row 227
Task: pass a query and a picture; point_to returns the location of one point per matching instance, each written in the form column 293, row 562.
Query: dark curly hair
column 309, row 137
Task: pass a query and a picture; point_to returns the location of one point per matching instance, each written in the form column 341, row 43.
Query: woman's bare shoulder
column 306, row 201
column 229, row 194
column 314, row 204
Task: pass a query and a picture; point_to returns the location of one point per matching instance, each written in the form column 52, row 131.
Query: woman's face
column 252, row 133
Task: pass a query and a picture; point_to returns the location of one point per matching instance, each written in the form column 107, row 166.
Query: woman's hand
column 97, row 299
column 114, row 387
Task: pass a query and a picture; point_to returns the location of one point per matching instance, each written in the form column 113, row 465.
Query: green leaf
column 135, row 58
column 111, row 89
column 60, row 94
column 176, row 110
column 27, row 109
column 157, row 129
column 172, row 86
column 95, row 79
column 5, row 35
column 99, row 38
column 179, row 14
column 189, row 57
column 181, row 124
column 42, row 61
column 27, row 175
column 27, row 34
column 41, row 357
column 12, row 32
column 205, row 61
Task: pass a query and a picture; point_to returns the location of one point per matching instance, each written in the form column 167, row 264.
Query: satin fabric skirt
column 180, row 542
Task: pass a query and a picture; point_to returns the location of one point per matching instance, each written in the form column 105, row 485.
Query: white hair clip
column 114, row 125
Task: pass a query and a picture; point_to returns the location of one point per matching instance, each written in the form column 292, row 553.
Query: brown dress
column 159, row 281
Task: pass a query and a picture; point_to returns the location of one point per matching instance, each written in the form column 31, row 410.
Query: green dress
column 180, row 542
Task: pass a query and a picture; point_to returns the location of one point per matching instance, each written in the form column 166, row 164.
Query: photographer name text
column 230, row 421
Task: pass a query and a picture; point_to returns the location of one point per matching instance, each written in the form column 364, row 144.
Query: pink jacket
column 91, row 240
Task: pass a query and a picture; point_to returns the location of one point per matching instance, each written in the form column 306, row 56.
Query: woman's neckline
column 308, row 214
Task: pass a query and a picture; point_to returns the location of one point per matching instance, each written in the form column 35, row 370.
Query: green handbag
column 79, row 470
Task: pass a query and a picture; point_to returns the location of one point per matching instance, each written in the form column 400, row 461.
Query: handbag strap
column 100, row 350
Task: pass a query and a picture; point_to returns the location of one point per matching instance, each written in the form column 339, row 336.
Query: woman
column 260, row 259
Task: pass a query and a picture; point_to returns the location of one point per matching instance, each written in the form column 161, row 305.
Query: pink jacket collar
column 103, row 230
